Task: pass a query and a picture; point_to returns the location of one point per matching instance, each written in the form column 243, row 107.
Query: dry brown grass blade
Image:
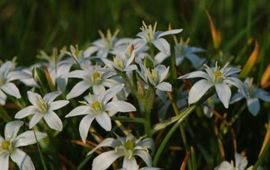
column 216, row 37
column 266, row 138
column 184, row 163
column 265, row 81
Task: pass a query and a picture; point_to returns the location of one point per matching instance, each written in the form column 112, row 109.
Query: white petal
column 162, row 45
column 29, row 138
column 25, row 112
column 224, row 93
column 145, row 156
column 78, row 89
column 198, row 90
column 170, row 32
column 58, row 104
column 164, row 86
column 80, row 110
column 195, row 60
column 84, row 126
column 235, row 98
column 4, row 160
column 119, row 106
column 104, row 121
column 53, row 121
column 263, row 95
column 17, row 75
column 98, row 89
column 51, row 96
column 104, row 160
column 35, row 119
column 3, row 98
column 76, row 74
column 108, row 142
column 195, row 74
column 160, row 57
column 33, row 97
column 11, row 89
column 146, row 143
column 23, row 161
column 225, row 166
column 253, row 106
column 112, row 92
column 130, row 164
column 240, row 161
column 12, row 128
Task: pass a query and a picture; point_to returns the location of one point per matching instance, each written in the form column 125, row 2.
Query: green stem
column 40, row 154
column 162, row 146
column 262, row 156
column 4, row 115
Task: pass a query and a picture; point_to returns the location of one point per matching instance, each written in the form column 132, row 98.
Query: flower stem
column 161, row 148
column 40, row 154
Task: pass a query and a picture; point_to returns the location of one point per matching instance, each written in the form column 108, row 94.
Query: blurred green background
column 27, row 26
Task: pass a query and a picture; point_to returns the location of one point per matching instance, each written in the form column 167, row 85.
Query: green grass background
column 28, row 26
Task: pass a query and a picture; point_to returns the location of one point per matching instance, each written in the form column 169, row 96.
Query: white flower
column 252, row 95
column 239, row 164
column 43, row 108
column 107, row 44
column 221, row 79
column 182, row 51
column 100, row 108
column 9, row 146
column 122, row 61
column 92, row 76
column 149, row 35
column 127, row 147
column 6, row 76
column 156, row 76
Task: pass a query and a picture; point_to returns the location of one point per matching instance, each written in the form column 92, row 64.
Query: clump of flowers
column 128, row 88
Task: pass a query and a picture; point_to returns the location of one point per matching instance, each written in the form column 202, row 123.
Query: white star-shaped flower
column 127, row 147
column 100, row 108
column 43, row 108
column 9, row 146
column 6, row 76
column 220, row 78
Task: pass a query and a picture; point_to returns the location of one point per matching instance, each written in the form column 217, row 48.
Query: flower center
column 129, row 147
column 118, row 62
column 150, row 31
column 5, row 145
column 42, row 105
column 97, row 107
column 153, row 75
column 96, row 77
column 217, row 76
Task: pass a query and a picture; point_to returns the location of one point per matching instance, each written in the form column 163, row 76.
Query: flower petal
column 253, row 106
column 224, row 93
column 145, row 156
column 12, row 128
column 104, row 121
column 51, row 96
column 162, row 45
column 263, row 95
column 119, row 106
column 35, row 119
column 29, row 110
column 3, row 98
column 53, row 121
column 130, row 164
column 108, row 142
column 58, row 104
column 4, row 160
column 170, row 32
column 84, row 126
column 195, row 74
column 76, row 74
column 33, row 97
column 198, row 90
column 11, row 89
column 23, row 161
column 80, row 110
column 164, row 86
column 104, row 160
column 112, row 92
column 28, row 138
column 78, row 89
